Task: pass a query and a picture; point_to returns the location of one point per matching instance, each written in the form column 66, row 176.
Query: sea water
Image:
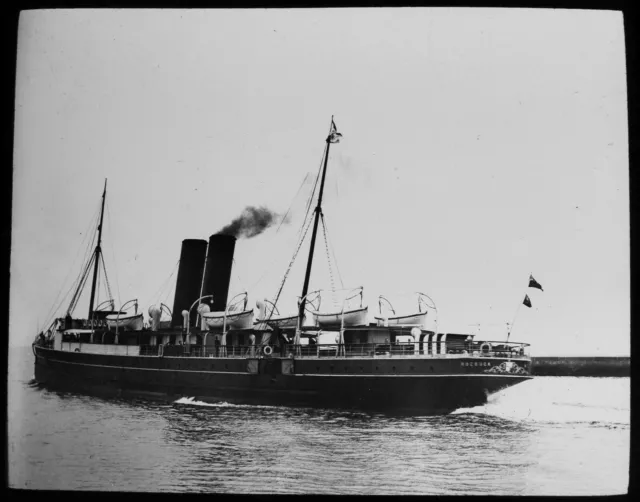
column 547, row 436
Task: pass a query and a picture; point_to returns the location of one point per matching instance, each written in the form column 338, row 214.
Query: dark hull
column 229, row 380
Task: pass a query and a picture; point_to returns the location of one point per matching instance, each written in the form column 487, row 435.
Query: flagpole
column 532, row 284
column 516, row 314
column 513, row 322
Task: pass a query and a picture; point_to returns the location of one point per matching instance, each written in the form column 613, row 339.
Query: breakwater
column 582, row 366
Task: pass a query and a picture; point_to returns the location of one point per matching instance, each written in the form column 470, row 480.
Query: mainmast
column 96, row 253
column 333, row 137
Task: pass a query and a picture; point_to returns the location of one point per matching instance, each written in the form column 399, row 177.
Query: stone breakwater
column 582, row 366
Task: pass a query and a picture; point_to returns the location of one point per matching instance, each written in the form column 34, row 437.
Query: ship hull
column 227, row 379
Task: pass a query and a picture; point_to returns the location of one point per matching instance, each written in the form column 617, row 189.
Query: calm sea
column 549, row 436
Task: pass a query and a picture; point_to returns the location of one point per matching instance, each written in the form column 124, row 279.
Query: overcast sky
column 479, row 146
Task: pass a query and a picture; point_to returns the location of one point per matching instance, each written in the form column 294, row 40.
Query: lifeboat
column 274, row 319
column 127, row 322
column 290, row 322
column 410, row 319
column 234, row 316
column 346, row 317
column 355, row 317
column 235, row 320
column 417, row 319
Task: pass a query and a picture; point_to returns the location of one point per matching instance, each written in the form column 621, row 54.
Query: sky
column 479, row 146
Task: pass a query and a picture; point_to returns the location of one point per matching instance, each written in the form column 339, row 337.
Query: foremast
column 333, row 137
column 96, row 254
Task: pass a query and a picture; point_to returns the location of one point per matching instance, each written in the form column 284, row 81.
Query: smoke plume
column 253, row 221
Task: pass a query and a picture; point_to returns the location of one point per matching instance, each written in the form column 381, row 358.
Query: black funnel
column 217, row 273
column 189, row 278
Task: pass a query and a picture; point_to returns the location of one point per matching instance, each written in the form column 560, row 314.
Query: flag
column 534, row 284
column 334, row 135
column 526, row 301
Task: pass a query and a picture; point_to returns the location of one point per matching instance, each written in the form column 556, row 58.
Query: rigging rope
column 302, row 233
column 332, row 252
column 80, row 281
column 304, row 228
column 158, row 294
column 294, row 199
column 55, row 305
column 97, row 299
column 235, row 268
column 315, row 185
column 165, row 300
column 83, row 280
column 87, row 256
column 113, row 255
column 168, row 282
column 106, row 278
column 79, row 285
column 268, row 269
column 326, row 246
column 295, row 254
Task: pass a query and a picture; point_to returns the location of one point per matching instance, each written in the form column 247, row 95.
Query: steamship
column 213, row 348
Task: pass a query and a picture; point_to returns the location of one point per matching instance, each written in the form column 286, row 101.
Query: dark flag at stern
column 526, row 301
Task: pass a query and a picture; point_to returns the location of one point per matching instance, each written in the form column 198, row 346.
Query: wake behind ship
column 331, row 357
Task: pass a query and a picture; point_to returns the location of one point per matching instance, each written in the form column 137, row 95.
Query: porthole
column 376, row 368
column 412, row 368
column 318, row 369
column 331, row 368
column 361, row 369
column 393, row 369
column 226, row 366
column 431, row 368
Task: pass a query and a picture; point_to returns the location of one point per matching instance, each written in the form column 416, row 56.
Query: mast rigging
column 333, row 137
column 97, row 253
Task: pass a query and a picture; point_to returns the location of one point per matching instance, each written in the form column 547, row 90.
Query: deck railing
column 435, row 349
column 432, row 350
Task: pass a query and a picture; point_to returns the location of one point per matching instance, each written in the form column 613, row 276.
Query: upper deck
column 354, row 342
